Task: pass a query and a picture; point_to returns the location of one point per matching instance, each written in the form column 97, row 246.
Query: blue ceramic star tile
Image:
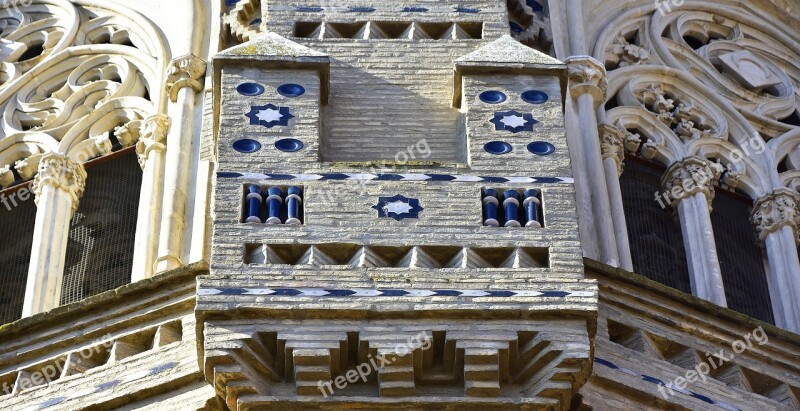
column 513, row 121
column 269, row 116
column 398, row 207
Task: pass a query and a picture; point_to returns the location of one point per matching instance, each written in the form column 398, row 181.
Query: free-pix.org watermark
column 55, row 370
column 713, row 362
column 374, row 363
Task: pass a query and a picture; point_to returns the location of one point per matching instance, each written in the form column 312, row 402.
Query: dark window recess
column 655, row 237
column 15, row 255
column 102, row 231
column 740, row 256
column 272, row 205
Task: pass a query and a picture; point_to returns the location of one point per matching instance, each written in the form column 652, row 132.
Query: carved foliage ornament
column 742, row 56
column 681, row 114
column 691, row 176
column 775, row 211
column 64, row 97
column 612, row 146
column 60, row 172
column 153, row 137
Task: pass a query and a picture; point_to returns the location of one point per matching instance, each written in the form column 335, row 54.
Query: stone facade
column 401, row 205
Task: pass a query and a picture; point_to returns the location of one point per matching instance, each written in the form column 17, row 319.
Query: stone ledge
column 100, row 302
column 598, row 270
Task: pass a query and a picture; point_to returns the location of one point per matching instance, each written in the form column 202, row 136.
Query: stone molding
column 690, row 176
column 185, row 71
column 587, row 76
column 247, row 360
column 59, row 171
column 776, row 210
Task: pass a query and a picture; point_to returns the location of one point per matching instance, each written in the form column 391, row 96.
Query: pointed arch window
column 655, row 237
column 102, row 230
column 741, row 258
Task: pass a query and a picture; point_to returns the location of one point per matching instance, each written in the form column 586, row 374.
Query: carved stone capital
column 185, row 71
column 154, row 137
column 59, row 171
column 690, row 176
column 775, row 211
column 587, row 76
column 612, row 144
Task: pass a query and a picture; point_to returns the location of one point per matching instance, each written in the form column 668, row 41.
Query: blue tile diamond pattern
column 371, row 292
column 455, row 178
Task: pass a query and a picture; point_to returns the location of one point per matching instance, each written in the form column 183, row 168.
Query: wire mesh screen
column 740, row 257
column 17, row 217
column 655, row 237
column 102, row 231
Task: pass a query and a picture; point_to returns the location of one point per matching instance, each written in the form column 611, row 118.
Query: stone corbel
column 27, row 167
column 92, row 147
column 6, row 176
column 587, row 76
column 59, row 171
column 185, row 71
column 153, row 137
column 129, row 133
column 776, row 210
column 690, row 176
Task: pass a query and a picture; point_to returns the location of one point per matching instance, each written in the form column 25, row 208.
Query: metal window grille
column 102, row 231
column 740, row 256
column 18, row 222
column 655, row 237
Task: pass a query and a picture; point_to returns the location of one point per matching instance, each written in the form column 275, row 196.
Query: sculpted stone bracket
column 257, row 363
column 154, row 137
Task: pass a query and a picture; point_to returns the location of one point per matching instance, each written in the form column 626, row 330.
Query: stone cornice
column 690, row 176
column 185, row 71
column 587, row 76
column 775, row 211
column 154, row 137
column 59, row 171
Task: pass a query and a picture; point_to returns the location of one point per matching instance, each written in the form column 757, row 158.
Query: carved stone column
column 150, row 150
column 588, row 85
column 58, row 188
column 185, row 80
column 777, row 220
column 689, row 185
column 612, row 151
